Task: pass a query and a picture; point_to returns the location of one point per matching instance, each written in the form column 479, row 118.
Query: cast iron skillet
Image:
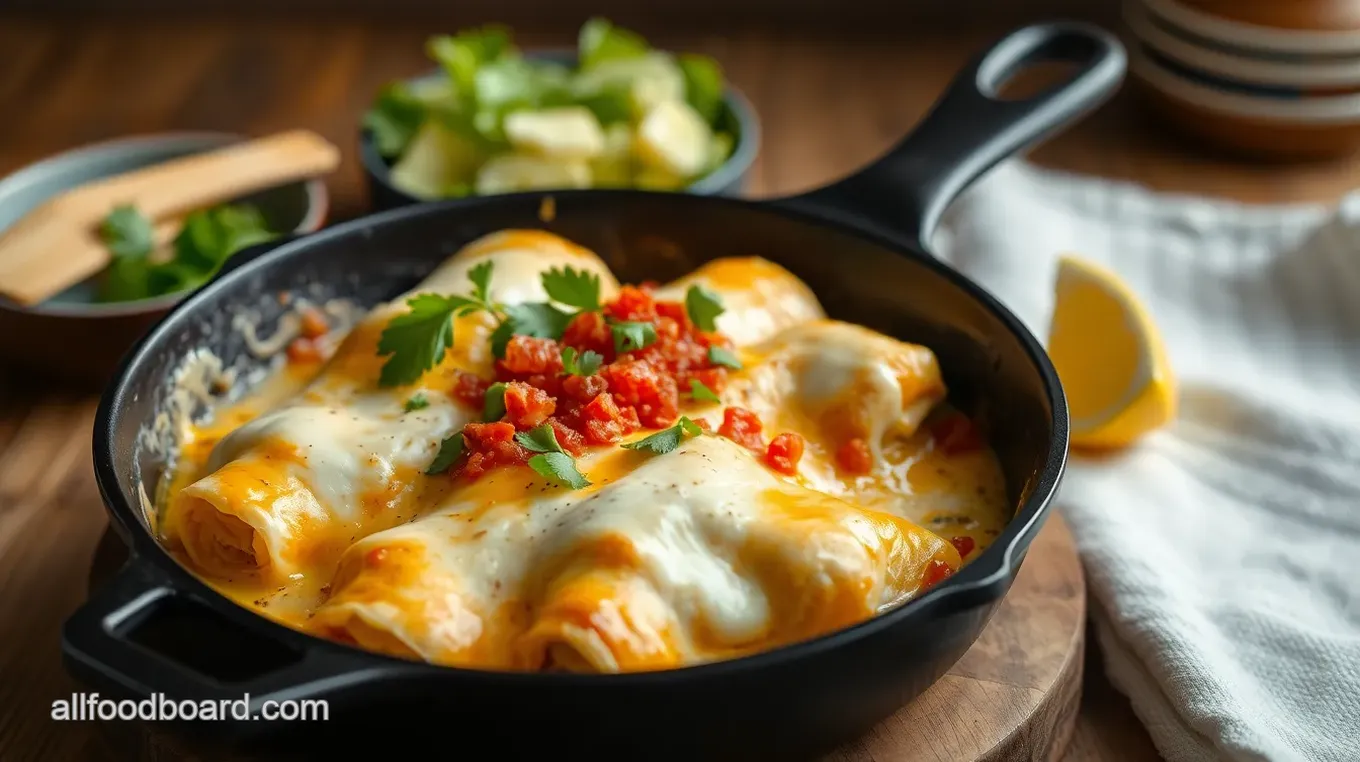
column 862, row 244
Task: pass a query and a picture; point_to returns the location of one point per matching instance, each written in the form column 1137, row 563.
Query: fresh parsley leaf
column 500, row 338
column 449, row 450
column 666, row 440
column 416, row 402
column 702, row 393
column 559, row 467
column 703, row 307
column 480, row 275
column 418, row 338
column 493, row 405
column 630, row 336
column 584, row 364
column 127, row 232
column 600, row 40
column 720, row 356
column 574, row 288
column 541, row 439
column 537, row 319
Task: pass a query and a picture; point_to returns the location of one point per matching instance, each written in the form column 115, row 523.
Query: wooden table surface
column 828, row 106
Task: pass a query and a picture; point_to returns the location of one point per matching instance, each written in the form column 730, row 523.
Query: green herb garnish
column 666, row 440
column 541, row 439
column 553, row 462
column 631, row 336
column 493, row 405
column 207, row 239
column 703, row 307
column 449, row 450
column 559, row 467
column 720, row 356
column 702, row 393
column 584, row 364
column 574, row 288
column 417, row 339
column 416, row 402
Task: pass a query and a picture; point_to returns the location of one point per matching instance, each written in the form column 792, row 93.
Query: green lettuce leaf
column 600, row 40
column 703, row 85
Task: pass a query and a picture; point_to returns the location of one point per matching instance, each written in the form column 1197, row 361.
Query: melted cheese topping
column 308, row 501
column 340, row 458
column 759, row 297
column 698, row 554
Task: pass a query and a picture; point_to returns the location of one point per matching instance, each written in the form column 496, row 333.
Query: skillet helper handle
column 102, row 647
column 971, row 128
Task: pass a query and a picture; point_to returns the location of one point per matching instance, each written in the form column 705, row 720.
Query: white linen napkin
column 1223, row 553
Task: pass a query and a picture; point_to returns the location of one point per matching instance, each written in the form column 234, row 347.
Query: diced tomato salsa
column 630, row 391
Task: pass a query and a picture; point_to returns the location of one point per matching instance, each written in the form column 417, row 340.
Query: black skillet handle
column 970, row 129
column 102, row 646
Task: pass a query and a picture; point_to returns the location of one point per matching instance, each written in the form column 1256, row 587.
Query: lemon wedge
column 1110, row 358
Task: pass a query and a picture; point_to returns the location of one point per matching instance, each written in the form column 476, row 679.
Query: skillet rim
column 969, row 588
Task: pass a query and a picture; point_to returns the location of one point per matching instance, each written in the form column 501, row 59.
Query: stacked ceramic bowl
column 1275, row 78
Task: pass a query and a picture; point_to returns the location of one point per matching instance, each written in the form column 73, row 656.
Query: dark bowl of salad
column 612, row 113
column 80, row 334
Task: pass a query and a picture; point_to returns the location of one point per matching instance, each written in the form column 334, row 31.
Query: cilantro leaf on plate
column 703, row 307
column 631, row 336
column 720, row 356
column 541, row 439
column 449, row 450
column 559, row 467
column 574, row 288
column 583, row 364
column 416, row 402
column 666, row 440
column 417, row 339
column 493, row 404
column 480, row 275
column 702, row 393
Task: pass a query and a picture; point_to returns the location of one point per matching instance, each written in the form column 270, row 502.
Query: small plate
column 70, row 335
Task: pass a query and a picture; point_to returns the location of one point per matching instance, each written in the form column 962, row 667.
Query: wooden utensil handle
column 201, row 180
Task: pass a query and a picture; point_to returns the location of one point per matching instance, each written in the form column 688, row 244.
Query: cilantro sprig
column 701, row 393
column 449, row 452
column 552, row 462
column 719, row 356
column 666, row 440
column 417, row 339
column 417, row 401
column 493, row 404
column 630, row 336
column 703, row 306
column 586, row 363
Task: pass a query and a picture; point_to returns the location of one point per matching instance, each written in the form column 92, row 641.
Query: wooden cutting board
column 1013, row 696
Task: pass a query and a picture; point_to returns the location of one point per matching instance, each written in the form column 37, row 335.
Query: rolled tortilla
column 289, row 490
column 760, row 298
column 665, row 560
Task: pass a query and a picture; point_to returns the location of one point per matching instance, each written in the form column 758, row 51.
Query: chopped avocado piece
column 437, row 160
column 509, row 173
column 566, row 132
column 613, row 168
column 649, row 80
column 675, row 139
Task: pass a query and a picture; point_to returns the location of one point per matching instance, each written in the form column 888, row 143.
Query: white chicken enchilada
column 523, row 464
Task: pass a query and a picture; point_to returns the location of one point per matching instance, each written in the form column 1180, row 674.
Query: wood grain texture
column 829, row 103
